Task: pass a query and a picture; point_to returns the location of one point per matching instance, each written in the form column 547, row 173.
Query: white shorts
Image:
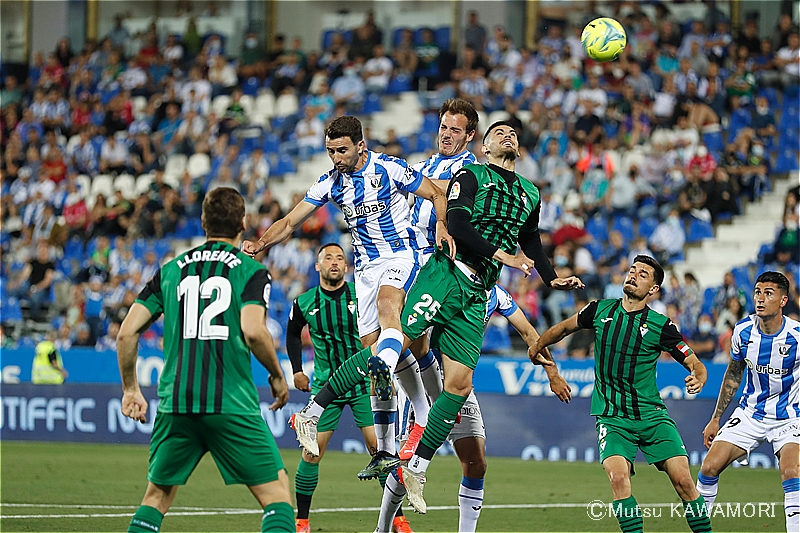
column 398, row 271
column 471, row 424
column 747, row 433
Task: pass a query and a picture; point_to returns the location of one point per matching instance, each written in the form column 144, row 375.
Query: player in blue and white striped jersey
column 458, row 122
column 468, row 436
column 764, row 347
column 370, row 189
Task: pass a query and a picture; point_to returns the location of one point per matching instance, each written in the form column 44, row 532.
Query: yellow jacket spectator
column 48, row 369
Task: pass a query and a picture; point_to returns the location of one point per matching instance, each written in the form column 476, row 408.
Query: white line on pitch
column 206, row 511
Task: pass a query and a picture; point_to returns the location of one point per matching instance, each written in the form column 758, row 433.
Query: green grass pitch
column 92, row 487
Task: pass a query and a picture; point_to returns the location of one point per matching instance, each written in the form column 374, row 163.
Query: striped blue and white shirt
column 374, row 205
column 423, row 216
column 501, row 301
column 772, row 384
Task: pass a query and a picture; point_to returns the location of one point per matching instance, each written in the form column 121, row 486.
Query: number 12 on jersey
column 216, row 288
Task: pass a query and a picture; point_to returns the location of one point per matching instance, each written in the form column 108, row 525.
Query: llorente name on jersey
column 207, row 255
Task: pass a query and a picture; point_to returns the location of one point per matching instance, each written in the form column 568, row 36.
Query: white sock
column 431, row 374
column 418, row 465
column 708, row 486
column 791, row 503
column 470, row 501
column 390, row 343
column 384, row 414
column 314, row 410
column 407, row 373
column 393, row 494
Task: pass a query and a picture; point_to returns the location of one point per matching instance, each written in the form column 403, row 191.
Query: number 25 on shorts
column 426, row 301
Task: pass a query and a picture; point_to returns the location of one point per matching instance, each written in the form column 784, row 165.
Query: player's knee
column 476, row 469
column 710, row 468
column 789, row 471
column 684, row 486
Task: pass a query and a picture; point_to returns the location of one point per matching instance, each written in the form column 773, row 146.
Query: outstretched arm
column 529, row 334
column 281, row 229
column 555, row 334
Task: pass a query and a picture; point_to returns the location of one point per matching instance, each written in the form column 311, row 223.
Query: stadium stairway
column 739, row 242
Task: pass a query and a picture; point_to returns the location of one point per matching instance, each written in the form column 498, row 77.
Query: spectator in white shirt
column 222, row 77
column 377, row 70
column 788, row 59
column 201, row 88
column 134, row 79
column 255, row 172
column 172, row 51
column 592, row 99
column 310, row 132
column 348, row 89
column 113, row 156
column 668, row 238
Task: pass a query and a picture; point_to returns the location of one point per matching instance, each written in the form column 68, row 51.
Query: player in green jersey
column 629, row 339
column 329, row 310
column 214, row 300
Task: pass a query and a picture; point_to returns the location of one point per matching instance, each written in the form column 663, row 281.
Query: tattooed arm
column 730, row 384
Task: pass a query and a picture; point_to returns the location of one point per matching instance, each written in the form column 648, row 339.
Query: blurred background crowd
column 109, row 148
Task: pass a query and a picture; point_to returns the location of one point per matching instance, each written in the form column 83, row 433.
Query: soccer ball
column 604, row 39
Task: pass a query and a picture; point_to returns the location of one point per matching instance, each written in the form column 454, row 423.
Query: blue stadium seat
column 771, row 94
column 739, row 119
column 430, row 123
column 162, row 247
column 418, row 36
column 595, row 248
column 765, row 252
column 348, row 36
column 327, row 38
column 250, row 86
column 397, row 36
column 10, row 310
column 425, row 142
column 789, row 117
column 624, row 225
column 699, row 230
column 787, row 161
column 647, row 226
column 788, row 138
column 284, row 165
column 248, row 145
column 708, row 300
column 597, row 227
column 272, row 144
column 372, row 104
column 443, row 37
column 741, row 276
column 405, row 143
column 399, row 84
column 139, row 248
column 714, row 142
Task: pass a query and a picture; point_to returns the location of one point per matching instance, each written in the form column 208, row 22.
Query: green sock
column 146, row 520
column 696, row 514
column 305, row 482
column 441, row 419
column 278, row 518
column 628, row 514
column 382, row 479
column 347, row 376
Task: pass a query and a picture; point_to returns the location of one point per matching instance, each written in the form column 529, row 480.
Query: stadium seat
column 699, row 230
column 787, row 161
column 399, row 84
column 143, row 183
column 272, row 144
column 162, row 247
column 765, row 252
column 789, row 117
column 284, row 165
column 739, row 119
column 647, row 226
column 250, row 87
column 595, row 248
column 788, row 138
column 127, row 184
column 248, row 103
column 597, row 227
column 103, row 184
column 198, row 165
column 624, row 225
column 220, row 103
column 741, row 276
column 84, row 184
column 442, row 37
column 249, row 144
column 430, row 123
column 176, row 164
column 265, row 104
column 372, row 104
column 425, row 142
column 708, row 300
column 714, row 142
column 327, row 38
column 771, row 94
column 286, row 105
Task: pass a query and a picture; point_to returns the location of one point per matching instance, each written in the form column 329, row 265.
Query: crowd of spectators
column 640, row 155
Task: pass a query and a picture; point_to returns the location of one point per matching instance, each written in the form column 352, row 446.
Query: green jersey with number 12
column 206, row 361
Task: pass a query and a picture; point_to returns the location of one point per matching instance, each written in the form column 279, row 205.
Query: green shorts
column 445, row 298
column 657, row 437
column 241, row 445
column 362, row 413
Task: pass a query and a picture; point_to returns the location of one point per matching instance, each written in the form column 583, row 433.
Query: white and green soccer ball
column 604, row 39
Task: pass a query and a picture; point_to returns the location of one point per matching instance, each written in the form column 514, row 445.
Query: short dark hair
column 223, row 211
column 497, row 125
column 329, row 245
column 345, row 126
column 650, row 261
column 459, row 106
column 777, row 278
